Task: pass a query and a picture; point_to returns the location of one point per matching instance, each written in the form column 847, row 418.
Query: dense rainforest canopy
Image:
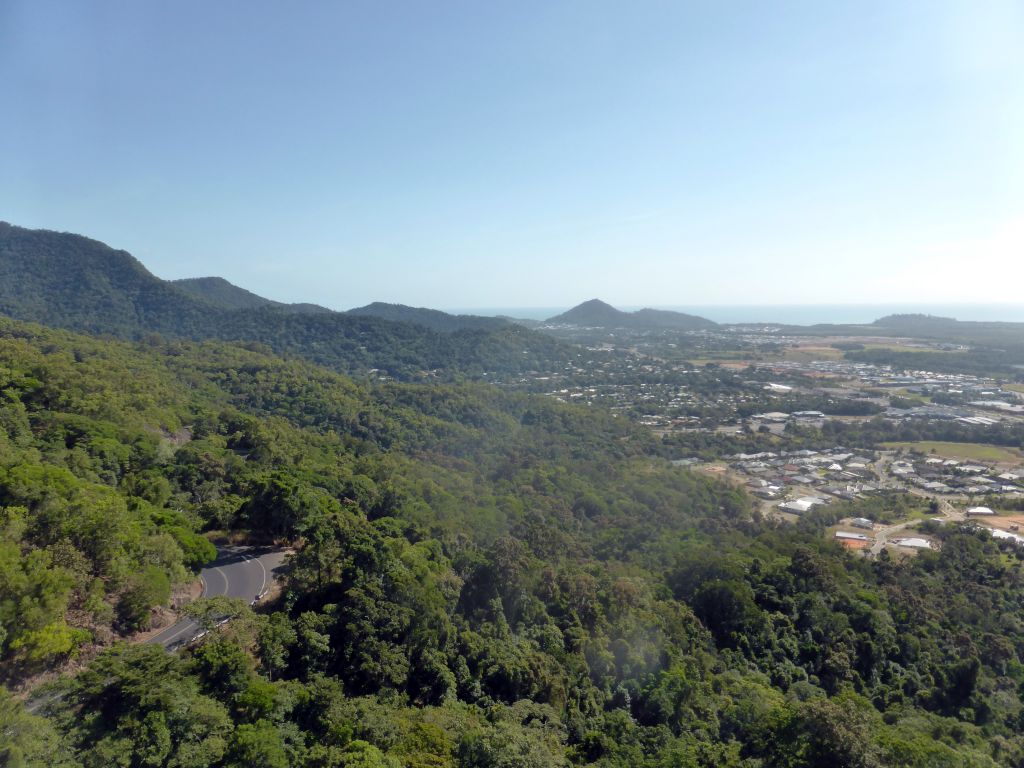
column 70, row 281
column 478, row 579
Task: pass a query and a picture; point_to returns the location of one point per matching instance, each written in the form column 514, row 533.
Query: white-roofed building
column 914, row 543
column 980, row 511
column 850, row 536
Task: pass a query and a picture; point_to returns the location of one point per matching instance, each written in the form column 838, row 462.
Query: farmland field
column 969, row 451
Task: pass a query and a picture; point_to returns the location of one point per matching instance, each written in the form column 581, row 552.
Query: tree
column 833, row 732
column 276, row 638
column 145, row 591
column 223, row 667
column 727, row 608
column 139, row 705
column 257, row 746
column 208, row 612
column 26, row 740
column 506, row 745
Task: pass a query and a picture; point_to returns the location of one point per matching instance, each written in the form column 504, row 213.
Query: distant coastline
column 792, row 314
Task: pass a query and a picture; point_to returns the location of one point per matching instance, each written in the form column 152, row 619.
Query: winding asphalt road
column 242, row 572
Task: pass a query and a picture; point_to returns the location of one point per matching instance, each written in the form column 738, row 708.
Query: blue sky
column 474, row 154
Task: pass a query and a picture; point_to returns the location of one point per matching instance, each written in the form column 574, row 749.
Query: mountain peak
column 913, row 318
column 69, row 281
column 221, row 293
column 226, row 295
column 596, row 304
column 600, row 314
column 428, row 318
column 593, row 312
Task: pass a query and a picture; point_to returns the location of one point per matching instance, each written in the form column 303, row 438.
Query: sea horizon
column 788, row 314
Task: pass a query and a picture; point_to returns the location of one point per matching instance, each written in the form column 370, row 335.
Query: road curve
column 242, row 572
column 882, row 536
column 947, row 512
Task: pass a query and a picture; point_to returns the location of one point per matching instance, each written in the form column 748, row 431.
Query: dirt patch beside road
column 1001, row 522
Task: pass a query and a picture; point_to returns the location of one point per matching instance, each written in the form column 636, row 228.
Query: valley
column 511, row 385
column 510, row 539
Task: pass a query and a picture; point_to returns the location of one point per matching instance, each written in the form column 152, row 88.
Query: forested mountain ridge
column 221, row 293
column 70, row 281
column 596, row 313
column 481, row 579
column 912, row 320
column 429, row 318
column 225, row 295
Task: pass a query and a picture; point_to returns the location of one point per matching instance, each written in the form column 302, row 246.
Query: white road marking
column 226, row 582
column 190, row 625
column 185, row 628
column 264, row 583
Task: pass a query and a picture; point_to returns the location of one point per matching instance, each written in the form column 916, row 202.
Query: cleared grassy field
column 1014, row 387
column 895, row 347
column 810, row 352
column 728, row 362
column 969, row 451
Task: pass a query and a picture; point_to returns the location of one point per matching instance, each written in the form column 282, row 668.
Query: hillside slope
column 479, row 578
column 223, row 294
column 69, row 281
column 429, row 318
column 598, row 314
column 74, row 282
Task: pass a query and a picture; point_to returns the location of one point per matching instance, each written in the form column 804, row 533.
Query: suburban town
column 754, row 386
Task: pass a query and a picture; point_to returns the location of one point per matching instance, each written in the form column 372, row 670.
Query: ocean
column 793, row 314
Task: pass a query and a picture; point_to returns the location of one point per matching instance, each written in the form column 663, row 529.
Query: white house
column 980, row 511
column 915, row 543
column 850, row 536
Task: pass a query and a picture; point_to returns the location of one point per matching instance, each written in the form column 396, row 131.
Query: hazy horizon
column 466, row 154
column 791, row 314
